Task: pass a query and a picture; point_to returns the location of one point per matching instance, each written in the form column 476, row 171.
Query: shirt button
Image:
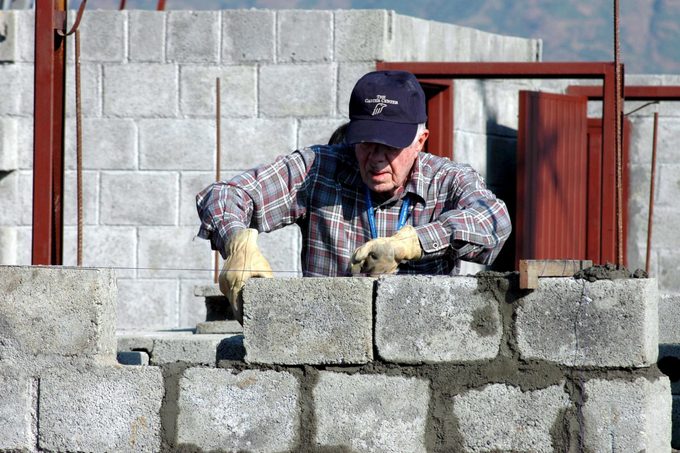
column 435, row 244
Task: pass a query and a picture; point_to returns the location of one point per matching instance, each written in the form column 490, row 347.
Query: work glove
column 383, row 255
column 244, row 260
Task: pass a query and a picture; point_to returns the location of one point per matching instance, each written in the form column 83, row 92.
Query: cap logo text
column 380, row 102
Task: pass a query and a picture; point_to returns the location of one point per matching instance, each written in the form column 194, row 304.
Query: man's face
column 385, row 169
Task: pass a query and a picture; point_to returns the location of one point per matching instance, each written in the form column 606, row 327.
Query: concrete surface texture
column 200, row 393
column 148, row 84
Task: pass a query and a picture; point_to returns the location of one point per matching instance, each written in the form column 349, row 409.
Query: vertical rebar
column 619, row 152
column 79, row 154
column 122, row 5
column 161, row 5
column 651, row 192
column 218, row 160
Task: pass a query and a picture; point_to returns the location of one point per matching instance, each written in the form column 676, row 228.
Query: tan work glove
column 244, row 260
column 383, row 255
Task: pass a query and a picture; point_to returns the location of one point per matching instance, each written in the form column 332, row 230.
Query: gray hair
column 420, row 130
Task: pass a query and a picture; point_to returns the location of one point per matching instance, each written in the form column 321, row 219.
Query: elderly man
column 375, row 204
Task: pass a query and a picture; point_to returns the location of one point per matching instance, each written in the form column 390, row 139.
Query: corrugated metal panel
column 552, row 166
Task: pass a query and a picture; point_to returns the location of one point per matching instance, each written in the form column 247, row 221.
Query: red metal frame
column 630, row 92
column 48, row 132
column 439, row 95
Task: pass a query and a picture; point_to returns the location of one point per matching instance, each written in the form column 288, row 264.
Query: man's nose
column 376, row 152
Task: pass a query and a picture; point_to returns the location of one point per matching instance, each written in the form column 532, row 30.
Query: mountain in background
column 572, row 30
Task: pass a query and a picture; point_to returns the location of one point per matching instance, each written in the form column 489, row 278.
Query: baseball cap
column 386, row 107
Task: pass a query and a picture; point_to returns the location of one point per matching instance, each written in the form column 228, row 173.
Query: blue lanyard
column 403, row 213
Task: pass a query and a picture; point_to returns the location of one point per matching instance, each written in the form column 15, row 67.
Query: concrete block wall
column 148, row 84
column 503, row 381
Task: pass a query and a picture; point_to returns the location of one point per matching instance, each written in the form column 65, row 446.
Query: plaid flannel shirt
column 321, row 190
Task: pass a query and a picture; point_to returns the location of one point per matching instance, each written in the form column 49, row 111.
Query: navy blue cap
column 386, row 107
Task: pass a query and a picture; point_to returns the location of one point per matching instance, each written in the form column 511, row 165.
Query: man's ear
column 422, row 139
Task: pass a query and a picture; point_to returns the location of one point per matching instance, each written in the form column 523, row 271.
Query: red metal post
column 48, row 132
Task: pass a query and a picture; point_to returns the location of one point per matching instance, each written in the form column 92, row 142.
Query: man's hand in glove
column 383, row 255
column 244, row 260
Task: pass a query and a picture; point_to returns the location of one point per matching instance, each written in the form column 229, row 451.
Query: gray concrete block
column 664, row 232
column 607, row 323
column 188, row 258
column 308, row 320
column 627, row 416
column 12, row 199
column 108, row 144
column 171, row 144
column 133, row 358
column 90, row 91
column 193, row 36
column 24, row 143
column 304, row 36
column 8, row 144
column 297, row 90
column 348, row 75
column 669, row 266
column 435, row 319
column 151, row 189
column 238, row 90
column 192, row 309
column 218, row 327
column 642, row 135
column 103, row 246
column 248, row 36
column 9, row 45
column 361, row 35
column 140, row 90
column 8, row 245
column 57, row 312
column 316, row 131
column 264, row 140
column 90, row 198
column 669, row 318
column 101, row 409
column 16, row 411
column 360, row 412
column 10, row 89
column 147, row 304
column 102, row 35
column 500, row 417
column 190, row 184
column 147, row 35
column 668, row 185
column 250, row 411
column 25, row 34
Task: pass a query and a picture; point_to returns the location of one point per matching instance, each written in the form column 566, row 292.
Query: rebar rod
column 79, row 154
column 619, row 152
column 651, row 192
column 218, row 160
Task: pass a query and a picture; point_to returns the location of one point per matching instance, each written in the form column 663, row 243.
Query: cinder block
column 642, row 134
column 188, row 257
column 249, row 411
column 193, row 36
column 25, row 34
column 10, row 89
column 664, row 233
column 12, row 199
column 669, row 319
column 632, row 416
column 304, row 36
column 308, row 320
column 8, row 144
column 316, row 131
column 361, row 35
column 90, row 198
column 90, row 94
column 191, row 183
column 103, row 246
column 102, row 35
column 147, row 35
column 108, row 144
column 248, row 36
column 238, row 90
column 297, row 90
column 500, row 417
column 607, row 323
column 133, row 358
column 669, row 266
column 140, row 90
column 361, row 413
column 435, row 319
column 177, row 144
column 256, row 141
column 147, row 304
column 154, row 203
column 283, row 248
column 348, row 75
column 470, row 107
column 57, row 311
column 9, row 44
column 16, row 412
column 8, row 245
column 668, row 189
column 192, row 309
column 101, row 409
column 24, row 143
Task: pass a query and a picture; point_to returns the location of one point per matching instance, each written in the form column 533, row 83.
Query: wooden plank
column 531, row 270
